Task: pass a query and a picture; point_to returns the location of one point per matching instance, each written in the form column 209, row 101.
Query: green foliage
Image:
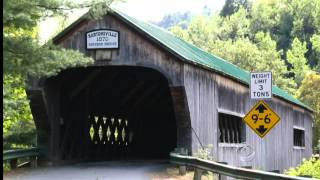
column 309, row 167
column 22, row 52
column 296, row 58
column 281, row 36
column 232, row 6
column 181, row 19
column 309, row 93
column 235, row 26
column 315, row 40
column 18, row 125
column 260, row 55
column 205, row 153
column 5, row 166
column 24, row 56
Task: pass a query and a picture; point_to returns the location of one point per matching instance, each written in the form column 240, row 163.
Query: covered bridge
column 153, row 93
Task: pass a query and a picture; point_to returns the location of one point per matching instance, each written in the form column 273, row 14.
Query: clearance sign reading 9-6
column 261, row 119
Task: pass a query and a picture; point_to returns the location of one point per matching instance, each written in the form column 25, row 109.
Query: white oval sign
column 102, row 39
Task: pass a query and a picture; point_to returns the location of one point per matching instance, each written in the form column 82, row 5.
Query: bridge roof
column 187, row 52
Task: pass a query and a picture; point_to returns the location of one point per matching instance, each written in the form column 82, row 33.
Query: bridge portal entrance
column 114, row 112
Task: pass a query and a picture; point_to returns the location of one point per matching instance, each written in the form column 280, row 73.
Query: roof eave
column 84, row 18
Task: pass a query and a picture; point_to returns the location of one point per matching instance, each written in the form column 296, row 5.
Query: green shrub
column 6, row 166
column 205, row 153
column 309, row 167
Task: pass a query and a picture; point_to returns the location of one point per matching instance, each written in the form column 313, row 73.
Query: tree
column 315, row 40
column 235, row 26
column 24, row 56
column 309, row 93
column 257, row 55
column 310, row 167
column 22, row 53
column 169, row 20
column 18, row 125
column 277, row 35
column 306, row 15
column 297, row 59
column 232, row 6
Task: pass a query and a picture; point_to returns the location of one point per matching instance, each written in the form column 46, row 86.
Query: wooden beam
column 144, row 96
column 160, row 94
column 132, row 93
column 110, row 80
column 84, row 83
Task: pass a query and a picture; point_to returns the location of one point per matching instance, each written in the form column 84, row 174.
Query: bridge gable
column 176, row 48
column 134, row 48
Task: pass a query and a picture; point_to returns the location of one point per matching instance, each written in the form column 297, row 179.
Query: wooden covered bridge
column 154, row 92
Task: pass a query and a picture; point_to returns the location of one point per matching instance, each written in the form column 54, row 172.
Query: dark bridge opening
column 115, row 113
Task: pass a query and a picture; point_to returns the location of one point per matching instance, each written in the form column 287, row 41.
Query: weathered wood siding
column 202, row 102
column 134, row 49
column 209, row 93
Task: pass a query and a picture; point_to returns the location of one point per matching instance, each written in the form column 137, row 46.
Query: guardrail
column 201, row 165
column 13, row 155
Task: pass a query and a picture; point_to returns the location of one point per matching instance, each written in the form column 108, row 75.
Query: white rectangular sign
column 102, row 39
column 261, row 85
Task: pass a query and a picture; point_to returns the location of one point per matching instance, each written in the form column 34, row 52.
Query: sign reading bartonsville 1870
column 261, row 119
column 102, row 39
column 261, row 85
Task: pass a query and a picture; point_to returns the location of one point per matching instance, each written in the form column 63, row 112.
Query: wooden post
column 33, row 162
column 13, row 163
column 222, row 177
column 182, row 115
column 197, row 174
column 182, row 168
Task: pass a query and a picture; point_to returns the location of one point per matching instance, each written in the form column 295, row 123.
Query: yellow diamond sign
column 261, row 118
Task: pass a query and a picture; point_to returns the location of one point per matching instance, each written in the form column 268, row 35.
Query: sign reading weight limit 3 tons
column 261, row 85
column 261, row 119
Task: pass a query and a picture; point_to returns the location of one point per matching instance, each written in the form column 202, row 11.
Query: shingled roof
column 187, row 52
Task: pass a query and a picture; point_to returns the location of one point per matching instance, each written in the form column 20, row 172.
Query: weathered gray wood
column 233, row 97
column 197, row 174
column 181, row 110
column 199, row 85
column 103, row 55
column 13, row 163
column 132, row 92
column 84, row 83
column 52, row 92
column 198, row 95
column 145, row 95
column 182, row 170
column 33, row 162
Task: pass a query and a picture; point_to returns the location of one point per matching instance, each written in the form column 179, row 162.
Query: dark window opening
column 298, row 137
column 231, row 128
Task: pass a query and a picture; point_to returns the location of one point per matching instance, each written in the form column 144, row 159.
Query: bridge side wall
column 209, row 93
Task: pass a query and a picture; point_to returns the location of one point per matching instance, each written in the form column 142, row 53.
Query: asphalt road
column 134, row 170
